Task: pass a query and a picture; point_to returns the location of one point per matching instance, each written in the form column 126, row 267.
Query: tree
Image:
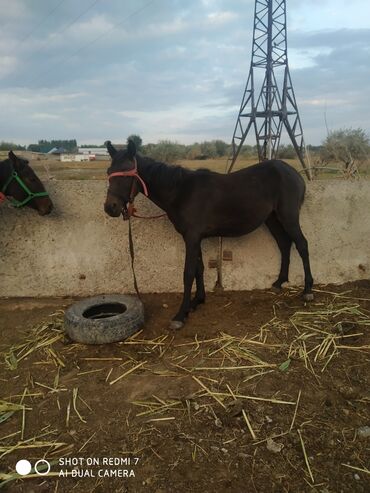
column 249, row 151
column 222, row 149
column 138, row 141
column 286, row 152
column 10, row 146
column 348, row 146
column 193, row 151
column 166, row 151
column 46, row 145
column 208, row 149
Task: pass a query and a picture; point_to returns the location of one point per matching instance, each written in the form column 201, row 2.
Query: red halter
column 131, row 211
column 131, row 172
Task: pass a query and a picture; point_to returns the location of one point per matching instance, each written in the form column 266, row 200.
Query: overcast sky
column 170, row 69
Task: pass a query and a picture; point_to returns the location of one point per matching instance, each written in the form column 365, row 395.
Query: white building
column 69, row 158
column 97, row 151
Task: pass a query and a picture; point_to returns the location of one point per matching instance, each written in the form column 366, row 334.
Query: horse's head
column 123, row 179
column 23, row 187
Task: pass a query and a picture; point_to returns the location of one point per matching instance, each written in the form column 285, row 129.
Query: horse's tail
column 303, row 194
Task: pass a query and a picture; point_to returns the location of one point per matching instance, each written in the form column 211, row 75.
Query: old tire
column 104, row 319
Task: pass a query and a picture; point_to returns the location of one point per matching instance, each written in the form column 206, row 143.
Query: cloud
column 45, row 116
column 221, row 18
column 8, row 65
column 324, row 103
column 172, row 70
column 24, row 97
column 13, row 11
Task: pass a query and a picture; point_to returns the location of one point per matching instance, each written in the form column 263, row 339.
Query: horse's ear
column 18, row 163
column 131, row 149
column 112, row 151
column 13, row 158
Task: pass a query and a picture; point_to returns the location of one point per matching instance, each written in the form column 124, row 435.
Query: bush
column 222, row 149
column 346, row 146
column 286, row 152
column 10, row 146
column 193, row 151
column 166, row 151
column 138, row 141
column 249, row 151
column 208, row 149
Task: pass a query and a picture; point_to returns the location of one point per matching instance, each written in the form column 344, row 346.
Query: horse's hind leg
column 190, row 269
column 293, row 228
column 200, row 293
column 284, row 243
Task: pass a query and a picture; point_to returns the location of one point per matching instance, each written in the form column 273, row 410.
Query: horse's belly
column 235, row 229
column 234, row 218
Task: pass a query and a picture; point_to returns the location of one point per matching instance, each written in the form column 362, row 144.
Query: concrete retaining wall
column 78, row 250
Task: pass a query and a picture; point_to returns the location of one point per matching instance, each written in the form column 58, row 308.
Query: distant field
column 96, row 170
column 51, row 167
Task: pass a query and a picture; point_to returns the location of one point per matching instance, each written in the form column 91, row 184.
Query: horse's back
column 292, row 184
column 237, row 203
column 275, row 177
column 272, row 181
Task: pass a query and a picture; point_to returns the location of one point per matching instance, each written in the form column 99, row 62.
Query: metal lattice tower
column 270, row 108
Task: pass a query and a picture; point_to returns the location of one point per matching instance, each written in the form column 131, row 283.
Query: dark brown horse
column 202, row 203
column 20, row 184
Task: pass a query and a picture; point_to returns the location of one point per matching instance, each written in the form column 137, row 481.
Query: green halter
column 30, row 195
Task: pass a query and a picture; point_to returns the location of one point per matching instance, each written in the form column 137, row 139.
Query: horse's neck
column 4, row 172
column 158, row 181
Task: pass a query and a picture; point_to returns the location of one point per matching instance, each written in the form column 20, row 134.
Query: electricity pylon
column 267, row 109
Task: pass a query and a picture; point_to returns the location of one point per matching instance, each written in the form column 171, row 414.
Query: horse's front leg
column 191, row 259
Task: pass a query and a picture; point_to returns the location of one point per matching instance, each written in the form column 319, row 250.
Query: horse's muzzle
column 112, row 209
column 45, row 208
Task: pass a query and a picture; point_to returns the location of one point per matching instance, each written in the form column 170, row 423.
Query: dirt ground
column 258, row 393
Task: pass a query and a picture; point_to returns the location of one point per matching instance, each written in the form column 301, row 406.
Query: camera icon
column 24, row 467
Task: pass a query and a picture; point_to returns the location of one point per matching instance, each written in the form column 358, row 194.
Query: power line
column 67, row 26
column 78, row 17
column 39, row 24
column 136, row 12
column 86, row 45
column 60, row 31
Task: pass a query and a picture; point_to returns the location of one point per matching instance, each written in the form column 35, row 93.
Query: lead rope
column 132, row 255
column 128, row 213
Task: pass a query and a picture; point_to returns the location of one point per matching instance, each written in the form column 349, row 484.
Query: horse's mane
column 4, row 168
column 168, row 175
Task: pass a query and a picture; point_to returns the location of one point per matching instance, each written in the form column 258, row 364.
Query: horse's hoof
column 176, row 325
column 308, row 296
column 276, row 289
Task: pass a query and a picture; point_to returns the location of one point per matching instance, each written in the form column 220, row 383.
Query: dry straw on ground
column 219, row 370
